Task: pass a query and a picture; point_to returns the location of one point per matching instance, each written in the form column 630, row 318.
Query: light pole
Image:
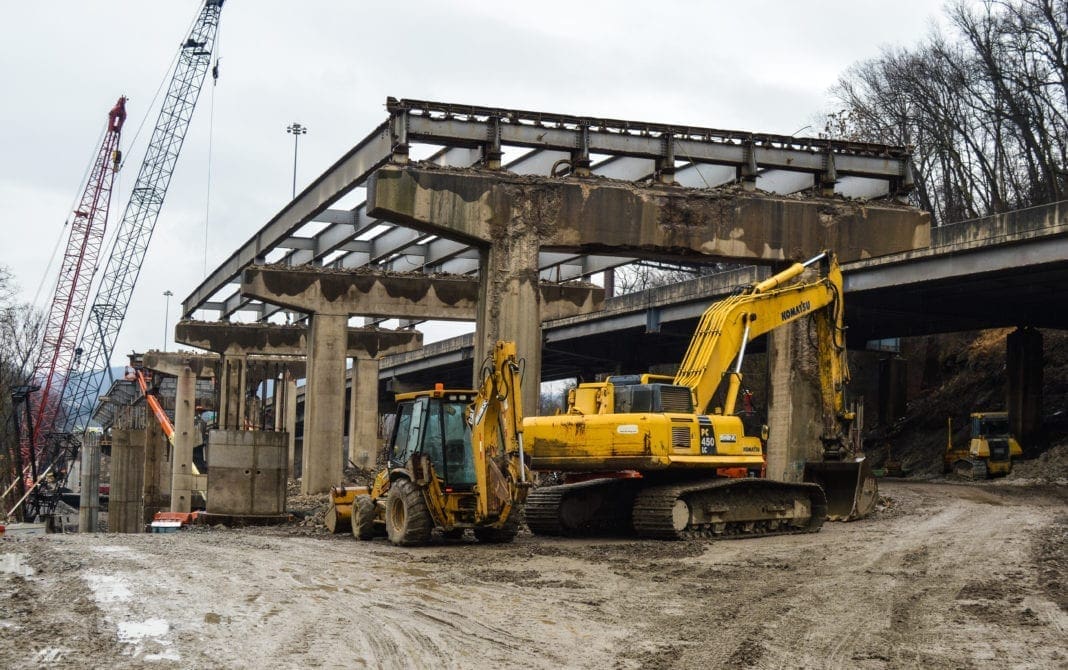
column 296, row 130
column 166, row 312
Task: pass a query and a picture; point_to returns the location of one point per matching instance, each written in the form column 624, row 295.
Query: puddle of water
column 15, row 564
column 136, row 631
column 108, row 588
column 150, row 633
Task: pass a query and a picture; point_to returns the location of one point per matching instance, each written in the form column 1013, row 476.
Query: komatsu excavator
column 643, row 453
column 455, row 461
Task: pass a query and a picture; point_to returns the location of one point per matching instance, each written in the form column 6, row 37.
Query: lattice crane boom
column 57, row 351
column 101, row 329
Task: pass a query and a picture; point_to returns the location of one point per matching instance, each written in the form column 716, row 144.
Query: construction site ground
column 945, row 575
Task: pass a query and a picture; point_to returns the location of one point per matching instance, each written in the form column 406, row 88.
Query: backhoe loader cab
column 432, row 424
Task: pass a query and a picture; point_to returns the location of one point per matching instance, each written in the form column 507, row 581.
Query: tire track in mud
column 944, row 577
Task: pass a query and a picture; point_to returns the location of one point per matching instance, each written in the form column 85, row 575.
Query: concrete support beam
column 290, row 396
column 893, row 389
column 316, row 289
column 126, row 499
column 575, row 215
column 157, row 465
column 264, row 339
column 795, row 412
column 363, row 415
column 324, row 404
column 1024, row 392
column 232, row 392
column 185, row 440
column 510, row 306
column 89, row 509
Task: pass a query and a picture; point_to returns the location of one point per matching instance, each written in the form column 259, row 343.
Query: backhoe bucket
column 850, row 487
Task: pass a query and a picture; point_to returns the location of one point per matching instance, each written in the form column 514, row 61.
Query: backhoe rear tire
column 408, row 520
column 363, row 518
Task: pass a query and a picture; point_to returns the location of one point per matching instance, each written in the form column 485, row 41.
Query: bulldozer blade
column 850, row 486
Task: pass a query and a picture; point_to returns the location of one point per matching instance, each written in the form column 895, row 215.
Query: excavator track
column 728, row 509
column 712, row 508
column 595, row 507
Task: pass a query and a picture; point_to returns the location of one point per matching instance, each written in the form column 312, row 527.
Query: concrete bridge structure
column 587, row 195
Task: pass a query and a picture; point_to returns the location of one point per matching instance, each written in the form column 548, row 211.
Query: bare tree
column 984, row 108
column 20, row 337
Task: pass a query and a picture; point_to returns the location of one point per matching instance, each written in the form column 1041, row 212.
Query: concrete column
column 795, row 416
column 232, row 392
column 89, row 508
column 893, row 389
column 155, row 450
column 509, row 303
column 291, row 422
column 363, row 413
column 1024, row 390
column 324, row 403
column 185, row 438
column 278, row 401
column 126, row 501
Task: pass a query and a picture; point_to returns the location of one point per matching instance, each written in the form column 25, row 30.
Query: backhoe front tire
column 363, row 518
column 408, row 520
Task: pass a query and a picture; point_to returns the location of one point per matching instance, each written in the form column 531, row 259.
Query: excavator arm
column 726, row 328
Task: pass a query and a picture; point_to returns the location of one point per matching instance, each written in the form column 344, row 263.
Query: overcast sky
column 755, row 66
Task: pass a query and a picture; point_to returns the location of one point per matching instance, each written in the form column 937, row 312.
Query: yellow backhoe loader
column 455, row 461
column 649, row 454
column 990, row 449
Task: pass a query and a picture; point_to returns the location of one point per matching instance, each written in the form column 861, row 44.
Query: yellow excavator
column 989, row 451
column 648, row 454
column 455, row 461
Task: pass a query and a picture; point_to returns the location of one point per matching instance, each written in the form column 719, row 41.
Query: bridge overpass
column 999, row 271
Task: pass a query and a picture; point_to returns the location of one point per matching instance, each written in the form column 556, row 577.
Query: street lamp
column 296, row 130
column 166, row 312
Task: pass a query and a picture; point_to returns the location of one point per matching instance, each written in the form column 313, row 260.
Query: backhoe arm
column 496, row 420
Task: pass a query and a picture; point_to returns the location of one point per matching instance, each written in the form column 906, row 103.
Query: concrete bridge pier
column 186, row 368
column 509, row 303
column 893, row 389
column 795, row 412
column 324, row 402
column 1024, row 392
column 126, row 499
column 232, row 391
column 363, row 416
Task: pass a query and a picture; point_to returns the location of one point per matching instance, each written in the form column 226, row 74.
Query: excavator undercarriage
column 707, row 508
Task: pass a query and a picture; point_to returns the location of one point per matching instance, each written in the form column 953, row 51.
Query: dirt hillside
column 960, row 373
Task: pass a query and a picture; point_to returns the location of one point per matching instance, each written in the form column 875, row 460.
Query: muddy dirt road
column 946, row 576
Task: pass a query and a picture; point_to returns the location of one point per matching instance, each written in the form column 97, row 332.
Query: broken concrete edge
column 600, row 215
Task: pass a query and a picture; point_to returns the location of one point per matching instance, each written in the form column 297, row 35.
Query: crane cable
column 211, row 138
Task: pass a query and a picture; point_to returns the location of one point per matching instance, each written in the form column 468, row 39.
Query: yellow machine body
column 665, row 431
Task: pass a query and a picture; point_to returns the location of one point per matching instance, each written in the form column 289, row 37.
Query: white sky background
column 755, row 66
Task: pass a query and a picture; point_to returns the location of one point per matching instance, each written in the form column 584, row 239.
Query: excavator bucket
column 850, row 487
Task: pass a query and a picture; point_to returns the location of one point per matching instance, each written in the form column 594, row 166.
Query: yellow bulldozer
column 651, row 455
column 990, row 449
column 455, row 461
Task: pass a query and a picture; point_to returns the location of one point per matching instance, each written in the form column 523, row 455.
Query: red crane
column 57, row 353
